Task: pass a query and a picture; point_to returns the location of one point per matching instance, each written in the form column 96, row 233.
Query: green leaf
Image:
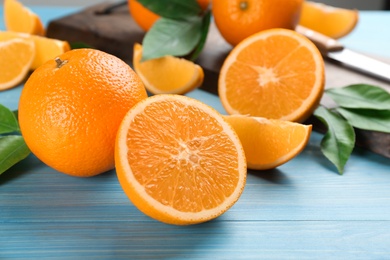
column 8, row 121
column 339, row 141
column 360, row 96
column 171, row 37
column 173, row 9
column 12, row 150
column 374, row 120
column 80, row 45
column 204, row 32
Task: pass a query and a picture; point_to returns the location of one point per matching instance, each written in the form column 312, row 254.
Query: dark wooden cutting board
column 114, row 31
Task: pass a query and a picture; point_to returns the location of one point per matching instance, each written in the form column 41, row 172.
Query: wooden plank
column 305, row 189
column 213, row 240
column 301, row 210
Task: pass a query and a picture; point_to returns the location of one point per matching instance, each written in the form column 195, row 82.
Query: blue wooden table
column 301, row 210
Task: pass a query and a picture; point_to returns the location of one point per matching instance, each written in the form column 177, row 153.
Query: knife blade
column 334, row 50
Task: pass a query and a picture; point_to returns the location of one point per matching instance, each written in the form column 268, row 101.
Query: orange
column 146, row 18
column 269, row 143
column 19, row 18
column 71, row 107
column 45, row 48
column 276, row 74
column 167, row 74
column 16, row 58
column 178, row 160
column 331, row 21
column 238, row 19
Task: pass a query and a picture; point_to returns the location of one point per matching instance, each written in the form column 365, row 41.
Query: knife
column 334, row 50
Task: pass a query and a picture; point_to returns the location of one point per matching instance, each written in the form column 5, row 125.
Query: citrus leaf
column 80, row 45
column 12, row 150
column 360, row 96
column 374, row 120
column 173, row 9
column 171, row 37
column 339, row 141
column 204, row 32
column 8, row 121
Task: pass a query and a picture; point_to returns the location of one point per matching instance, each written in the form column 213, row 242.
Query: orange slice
column 16, row 58
column 167, row 75
column 178, row 160
column 276, row 74
column 19, row 18
column 45, row 48
column 331, row 21
column 269, row 143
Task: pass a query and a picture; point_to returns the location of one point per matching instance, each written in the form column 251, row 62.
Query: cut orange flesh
column 167, row 75
column 331, row 21
column 19, row 18
column 45, row 48
column 16, row 58
column 269, row 143
column 178, row 160
column 276, row 74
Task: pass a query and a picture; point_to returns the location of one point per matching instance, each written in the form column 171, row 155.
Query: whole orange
column 146, row 18
column 71, row 107
column 238, row 19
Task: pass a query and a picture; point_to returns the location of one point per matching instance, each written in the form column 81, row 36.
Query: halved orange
column 45, row 48
column 178, row 160
column 276, row 74
column 332, row 21
column 168, row 74
column 269, row 143
column 19, row 18
column 16, row 58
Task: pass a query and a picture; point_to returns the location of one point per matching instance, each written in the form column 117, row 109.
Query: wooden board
column 114, row 31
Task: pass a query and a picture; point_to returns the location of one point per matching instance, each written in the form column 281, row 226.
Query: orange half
column 178, row 160
column 276, row 74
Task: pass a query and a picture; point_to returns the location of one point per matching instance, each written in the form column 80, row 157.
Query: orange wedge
column 16, row 58
column 276, row 74
column 167, row 75
column 331, row 21
column 178, row 160
column 19, row 18
column 269, row 143
column 45, row 48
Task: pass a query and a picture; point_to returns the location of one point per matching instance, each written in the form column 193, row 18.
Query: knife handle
column 323, row 42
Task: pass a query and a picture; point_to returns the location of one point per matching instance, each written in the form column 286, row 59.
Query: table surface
column 303, row 209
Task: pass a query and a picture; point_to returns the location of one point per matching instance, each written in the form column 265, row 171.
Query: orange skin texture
column 69, row 115
column 145, row 18
column 238, row 19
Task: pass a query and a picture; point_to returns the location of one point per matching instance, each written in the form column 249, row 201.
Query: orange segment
column 167, row 75
column 19, row 18
column 277, row 74
column 16, row 58
column 331, row 21
column 45, row 48
column 178, row 160
column 269, row 143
